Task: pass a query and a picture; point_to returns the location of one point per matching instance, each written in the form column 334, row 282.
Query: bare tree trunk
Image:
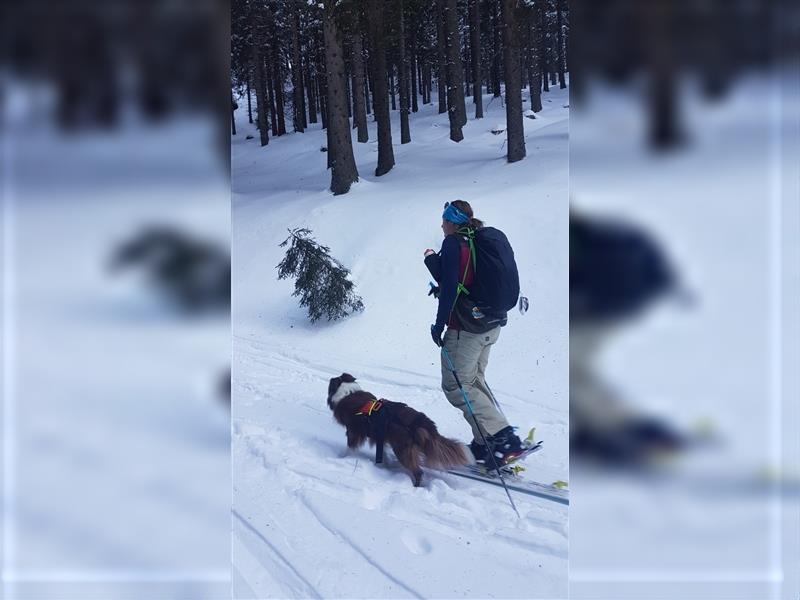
column 515, row 129
column 359, row 98
column 405, row 132
column 441, row 47
column 475, row 43
column 375, row 11
column 298, row 110
column 456, row 106
column 340, row 144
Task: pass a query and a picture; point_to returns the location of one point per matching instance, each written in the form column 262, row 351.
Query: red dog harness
column 369, row 407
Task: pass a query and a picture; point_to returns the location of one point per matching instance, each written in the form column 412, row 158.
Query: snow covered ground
column 310, row 521
column 725, row 208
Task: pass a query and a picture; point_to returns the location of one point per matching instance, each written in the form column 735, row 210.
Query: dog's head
column 341, row 386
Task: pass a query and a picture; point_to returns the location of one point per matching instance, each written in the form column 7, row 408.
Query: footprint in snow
column 415, row 543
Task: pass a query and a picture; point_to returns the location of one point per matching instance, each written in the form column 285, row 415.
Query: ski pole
column 494, row 400
column 446, row 354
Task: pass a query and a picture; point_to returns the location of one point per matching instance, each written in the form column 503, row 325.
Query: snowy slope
column 309, row 520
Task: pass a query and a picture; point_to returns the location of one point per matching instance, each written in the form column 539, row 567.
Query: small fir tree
column 321, row 281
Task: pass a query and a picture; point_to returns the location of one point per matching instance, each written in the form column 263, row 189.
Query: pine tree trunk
column 562, row 81
column 233, row 117
column 392, row 86
column 367, row 101
column 543, row 49
column 298, row 111
column 303, row 94
column 405, row 132
column 534, row 68
column 312, row 100
column 475, row 44
column 273, row 115
column 457, row 109
column 375, row 12
column 322, row 87
column 348, row 94
column 441, row 47
column 359, row 98
column 515, row 129
column 277, row 77
column 428, row 79
column 257, row 65
column 414, row 74
column 340, row 144
column 496, row 46
column 665, row 130
column 249, row 103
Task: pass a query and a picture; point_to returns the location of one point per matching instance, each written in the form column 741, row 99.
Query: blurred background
column 684, row 285
column 683, row 299
column 115, row 299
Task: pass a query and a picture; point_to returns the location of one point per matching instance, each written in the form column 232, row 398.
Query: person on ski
column 471, row 333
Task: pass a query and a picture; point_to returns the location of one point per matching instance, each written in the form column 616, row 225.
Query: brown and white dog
column 412, row 436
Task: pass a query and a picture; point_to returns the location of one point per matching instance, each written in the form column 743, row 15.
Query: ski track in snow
column 302, row 585
column 320, row 479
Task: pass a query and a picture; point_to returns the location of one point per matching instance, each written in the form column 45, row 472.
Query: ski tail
column 440, row 452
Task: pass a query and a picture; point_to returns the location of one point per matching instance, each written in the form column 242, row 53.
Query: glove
column 434, row 291
column 436, row 335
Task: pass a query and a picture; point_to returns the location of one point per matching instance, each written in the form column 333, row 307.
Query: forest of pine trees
column 341, row 62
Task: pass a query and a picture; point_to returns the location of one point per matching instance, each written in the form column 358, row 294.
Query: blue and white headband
column 453, row 214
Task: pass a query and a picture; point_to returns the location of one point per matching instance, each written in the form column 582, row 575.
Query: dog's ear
column 347, row 378
column 333, row 385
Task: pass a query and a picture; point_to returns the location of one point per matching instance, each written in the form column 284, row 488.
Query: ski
column 514, row 482
column 511, row 471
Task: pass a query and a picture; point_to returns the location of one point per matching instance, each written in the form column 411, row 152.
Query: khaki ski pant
column 469, row 353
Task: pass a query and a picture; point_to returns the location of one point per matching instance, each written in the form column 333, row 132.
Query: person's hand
column 436, row 334
column 429, row 251
column 434, row 291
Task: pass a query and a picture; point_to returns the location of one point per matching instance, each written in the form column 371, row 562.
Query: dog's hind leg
column 409, row 457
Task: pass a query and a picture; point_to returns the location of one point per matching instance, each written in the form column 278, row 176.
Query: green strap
column 469, row 233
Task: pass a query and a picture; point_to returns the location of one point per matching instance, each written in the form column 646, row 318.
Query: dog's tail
column 440, row 452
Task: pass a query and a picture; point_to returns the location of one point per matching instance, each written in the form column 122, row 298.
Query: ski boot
column 506, row 446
